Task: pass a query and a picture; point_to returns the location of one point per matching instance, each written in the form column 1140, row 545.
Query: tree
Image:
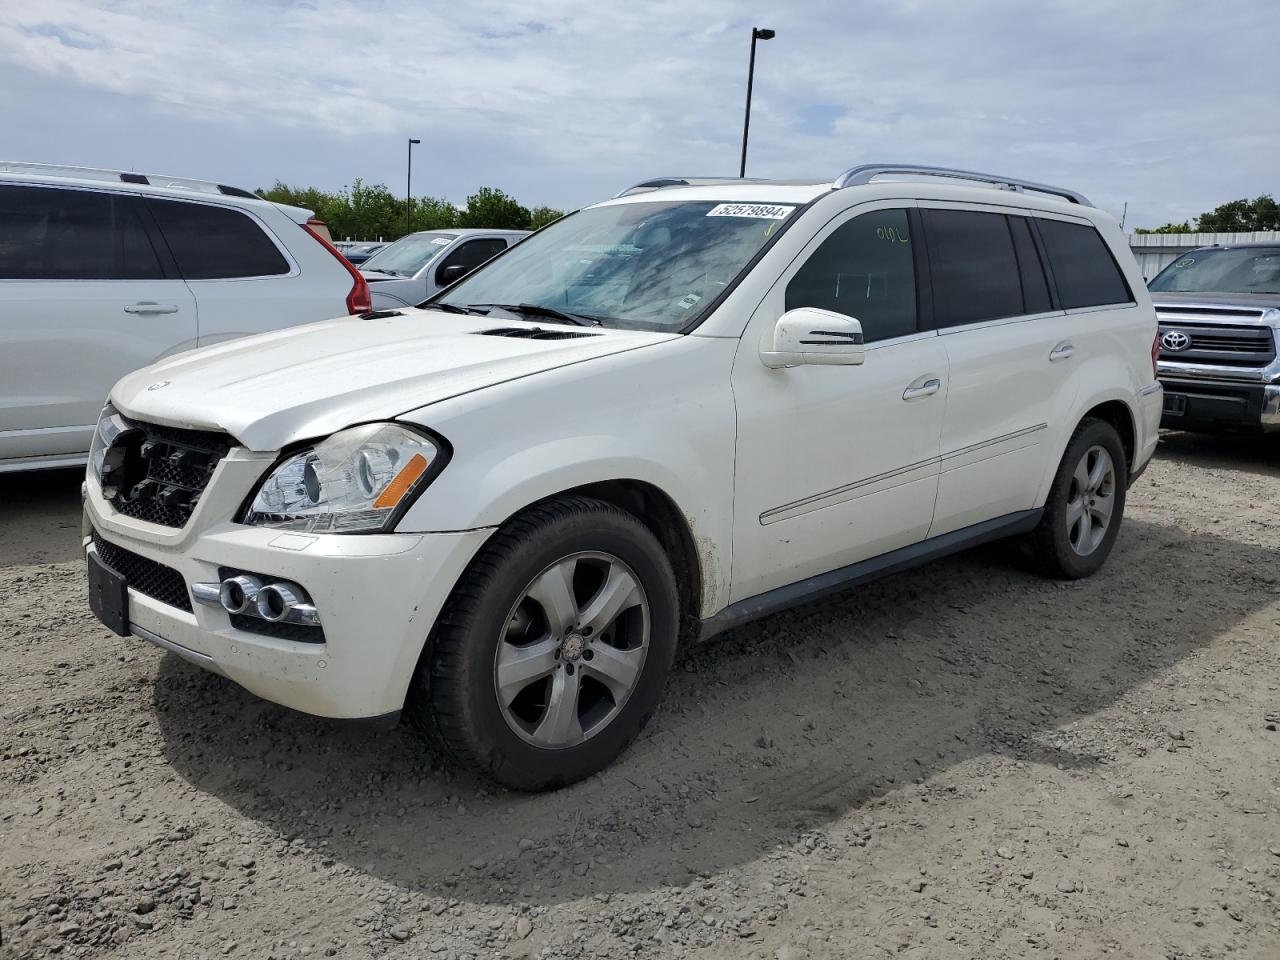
column 494, row 210
column 371, row 212
column 1241, row 216
column 434, row 213
column 1183, row 227
column 540, row 216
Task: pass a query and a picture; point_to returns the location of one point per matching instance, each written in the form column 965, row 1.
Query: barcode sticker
column 761, row 211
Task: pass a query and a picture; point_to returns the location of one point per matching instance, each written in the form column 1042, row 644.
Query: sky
column 1170, row 106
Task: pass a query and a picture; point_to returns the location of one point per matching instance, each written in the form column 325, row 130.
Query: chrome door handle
column 926, row 389
column 149, row 307
column 1062, row 351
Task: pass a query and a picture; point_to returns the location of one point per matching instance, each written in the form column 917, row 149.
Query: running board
column 812, row 588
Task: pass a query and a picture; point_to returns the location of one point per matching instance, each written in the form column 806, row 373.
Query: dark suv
column 1219, row 312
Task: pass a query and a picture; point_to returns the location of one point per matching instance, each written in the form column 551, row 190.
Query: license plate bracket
column 108, row 596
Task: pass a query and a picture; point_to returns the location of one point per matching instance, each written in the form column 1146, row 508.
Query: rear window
column 216, row 243
column 53, row 234
column 1083, row 268
column 974, row 267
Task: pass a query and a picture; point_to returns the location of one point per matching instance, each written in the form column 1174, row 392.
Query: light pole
column 408, row 195
column 757, row 33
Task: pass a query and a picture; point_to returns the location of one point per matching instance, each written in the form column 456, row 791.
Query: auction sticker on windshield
column 763, row 211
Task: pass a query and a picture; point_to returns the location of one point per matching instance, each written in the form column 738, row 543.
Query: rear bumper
column 1221, row 406
column 378, row 598
column 1150, row 405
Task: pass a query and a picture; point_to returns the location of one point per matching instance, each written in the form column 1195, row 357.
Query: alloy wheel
column 1091, row 500
column 573, row 650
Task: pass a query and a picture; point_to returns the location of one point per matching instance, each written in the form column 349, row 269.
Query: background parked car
column 358, row 253
column 102, row 272
column 1219, row 310
column 417, row 266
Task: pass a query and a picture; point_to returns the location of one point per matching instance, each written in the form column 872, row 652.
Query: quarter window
column 973, row 266
column 865, row 270
column 216, row 243
column 52, row 234
column 1083, row 269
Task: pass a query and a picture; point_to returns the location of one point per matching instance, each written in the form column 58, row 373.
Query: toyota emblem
column 1175, row 341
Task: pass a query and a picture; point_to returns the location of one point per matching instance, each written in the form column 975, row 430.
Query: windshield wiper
column 452, row 308
column 538, row 310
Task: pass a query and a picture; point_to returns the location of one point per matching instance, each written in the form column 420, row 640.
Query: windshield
column 409, row 254
column 1238, row 270
column 652, row 265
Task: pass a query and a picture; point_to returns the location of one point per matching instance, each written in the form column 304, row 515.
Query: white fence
column 1155, row 251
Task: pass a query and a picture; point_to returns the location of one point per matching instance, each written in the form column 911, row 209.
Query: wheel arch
column 1108, row 407
column 1119, row 415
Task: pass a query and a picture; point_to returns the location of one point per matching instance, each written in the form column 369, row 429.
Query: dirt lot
column 963, row 761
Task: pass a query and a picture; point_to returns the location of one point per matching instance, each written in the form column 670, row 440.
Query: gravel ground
column 961, row 761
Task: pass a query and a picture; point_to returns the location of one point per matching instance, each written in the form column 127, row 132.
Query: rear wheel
column 553, row 650
column 1085, row 505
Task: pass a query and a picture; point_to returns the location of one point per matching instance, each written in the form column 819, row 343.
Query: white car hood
column 271, row 390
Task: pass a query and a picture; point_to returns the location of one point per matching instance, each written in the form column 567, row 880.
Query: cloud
column 1160, row 105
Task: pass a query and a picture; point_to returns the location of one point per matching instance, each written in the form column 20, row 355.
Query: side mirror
column 809, row 335
column 453, row 272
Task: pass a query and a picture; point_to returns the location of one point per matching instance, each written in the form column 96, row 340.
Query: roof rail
column 865, row 173
column 657, row 183
column 117, row 176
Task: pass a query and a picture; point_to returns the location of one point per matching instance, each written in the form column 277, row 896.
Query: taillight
column 359, row 299
column 1155, row 352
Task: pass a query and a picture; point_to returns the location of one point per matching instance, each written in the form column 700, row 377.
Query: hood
column 276, row 388
column 1256, row 301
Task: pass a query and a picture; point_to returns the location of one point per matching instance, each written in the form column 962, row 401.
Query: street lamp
column 757, row 33
column 408, row 195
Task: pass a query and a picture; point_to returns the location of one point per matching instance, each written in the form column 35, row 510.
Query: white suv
column 103, row 272
column 688, row 406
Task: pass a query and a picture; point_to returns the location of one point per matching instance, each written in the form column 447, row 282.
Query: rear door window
column 54, row 234
column 216, row 243
column 865, row 270
column 1084, row 271
column 973, row 266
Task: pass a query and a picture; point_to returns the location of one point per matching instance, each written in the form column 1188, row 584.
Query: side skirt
column 812, row 588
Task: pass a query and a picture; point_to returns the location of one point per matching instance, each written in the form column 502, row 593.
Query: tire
column 536, row 599
column 1070, row 548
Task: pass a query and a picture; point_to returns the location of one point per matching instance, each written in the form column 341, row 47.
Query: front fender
column 663, row 416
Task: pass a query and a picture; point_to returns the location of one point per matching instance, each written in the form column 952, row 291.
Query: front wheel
column 554, row 648
column 1085, row 505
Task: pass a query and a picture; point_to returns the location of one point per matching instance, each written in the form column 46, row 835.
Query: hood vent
column 533, row 333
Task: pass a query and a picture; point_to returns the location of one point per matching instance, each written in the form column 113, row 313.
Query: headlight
column 110, row 426
column 358, row 480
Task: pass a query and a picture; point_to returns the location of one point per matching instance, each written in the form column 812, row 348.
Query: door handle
column 150, row 307
column 1062, row 351
column 926, row 389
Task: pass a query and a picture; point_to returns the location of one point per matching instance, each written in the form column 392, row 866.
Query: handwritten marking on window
column 891, row 235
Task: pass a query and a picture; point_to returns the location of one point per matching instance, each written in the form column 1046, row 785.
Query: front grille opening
column 1222, row 344
column 158, row 474
column 534, row 333
column 148, row 577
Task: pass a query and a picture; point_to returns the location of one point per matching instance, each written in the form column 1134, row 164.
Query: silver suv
column 102, row 272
